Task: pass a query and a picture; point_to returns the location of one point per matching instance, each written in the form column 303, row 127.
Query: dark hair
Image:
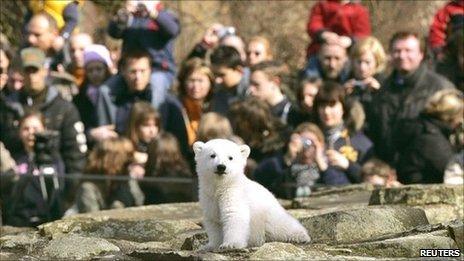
column 226, row 56
column 133, row 54
column 188, row 68
column 332, row 92
column 402, row 35
column 253, row 121
column 165, row 158
column 316, row 81
column 140, row 113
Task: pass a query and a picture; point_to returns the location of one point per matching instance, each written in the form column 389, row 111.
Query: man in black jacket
column 402, row 97
column 60, row 115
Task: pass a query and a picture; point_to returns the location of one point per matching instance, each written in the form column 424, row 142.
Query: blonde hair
column 266, row 43
column 445, row 105
column 370, row 44
column 213, row 126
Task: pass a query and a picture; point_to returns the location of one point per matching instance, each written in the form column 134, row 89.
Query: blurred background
column 283, row 22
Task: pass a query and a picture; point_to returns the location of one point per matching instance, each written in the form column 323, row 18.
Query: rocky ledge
column 354, row 223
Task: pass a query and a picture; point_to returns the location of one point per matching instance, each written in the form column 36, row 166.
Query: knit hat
column 97, row 52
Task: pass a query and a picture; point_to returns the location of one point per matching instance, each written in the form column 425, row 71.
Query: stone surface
column 133, row 230
column 78, row 247
column 9, row 230
column 419, row 195
column 456, row 230
column 342, row 225
column 346, row 199
column 25, row 241
column 362, row 224
column 439, row 213
column 179, row 211
column 279, row 251
column 408, row 246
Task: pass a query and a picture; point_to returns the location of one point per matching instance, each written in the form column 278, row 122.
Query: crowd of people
column 83, row 127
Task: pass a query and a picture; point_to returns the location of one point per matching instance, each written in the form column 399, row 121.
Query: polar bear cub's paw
column 232, row 245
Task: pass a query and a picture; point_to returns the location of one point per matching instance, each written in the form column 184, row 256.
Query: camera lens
column 306, row 143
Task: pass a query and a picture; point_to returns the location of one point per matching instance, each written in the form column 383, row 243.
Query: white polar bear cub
column 238, row 212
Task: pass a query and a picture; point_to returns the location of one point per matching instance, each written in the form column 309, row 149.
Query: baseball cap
column 32, row 57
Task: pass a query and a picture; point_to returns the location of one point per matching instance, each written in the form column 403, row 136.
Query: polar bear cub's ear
column 245, row 151
column 198, row 147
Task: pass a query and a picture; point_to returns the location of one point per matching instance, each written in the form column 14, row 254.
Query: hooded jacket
column 60, row 115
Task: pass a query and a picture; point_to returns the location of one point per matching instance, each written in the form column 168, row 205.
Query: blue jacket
column 155, row 36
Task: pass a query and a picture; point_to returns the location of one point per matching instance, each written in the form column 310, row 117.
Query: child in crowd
column 377, row 172
column 144, row 127
column 166, row 160
column 112, row 158
column 258, row 50
column 37, row 198
column 98, row 67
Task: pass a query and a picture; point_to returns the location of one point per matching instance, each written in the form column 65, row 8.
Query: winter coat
column 115, row 102
column 223, row 97
column 357, row 148
column 426, row 157
column 439, row 29
column 87, row 110
column 28, row 207
column 153, row 35
column 400, row 100
column 60, row 115
column 350, row 19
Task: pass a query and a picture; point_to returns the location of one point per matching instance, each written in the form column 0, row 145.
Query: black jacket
column 60, row 115
column 400, row 100
column 425, row 159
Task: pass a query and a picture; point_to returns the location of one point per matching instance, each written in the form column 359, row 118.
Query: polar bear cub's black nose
column 220, row 169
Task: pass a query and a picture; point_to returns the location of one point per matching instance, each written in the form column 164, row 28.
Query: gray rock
column 132, row 230
column 439, row 213
column 406, row 247
column 175, row 211
column 362, row 224
column 456, row 230
column 350, row 198
column 78, row 247
column 418, row 195
column 9, row 230
column 25, row 242
column 176, row 255
column 279, row 251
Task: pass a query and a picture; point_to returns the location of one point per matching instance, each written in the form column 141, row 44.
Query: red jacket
column 350, row 19
column 438, row 29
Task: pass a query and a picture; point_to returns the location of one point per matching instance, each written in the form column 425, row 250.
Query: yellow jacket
column 53, row 7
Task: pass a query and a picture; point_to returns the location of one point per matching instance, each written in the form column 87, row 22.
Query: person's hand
column 211, row 37
column 140, row 157
column 337, row 159
column 136, row 171
column 349, row 86
column 330, row 37
column 344, row 41
column 294, row 147
column 372, row 83
column 58, row 43
column 103, row 132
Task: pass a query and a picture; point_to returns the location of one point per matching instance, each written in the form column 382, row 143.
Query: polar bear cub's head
column 220, row 157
